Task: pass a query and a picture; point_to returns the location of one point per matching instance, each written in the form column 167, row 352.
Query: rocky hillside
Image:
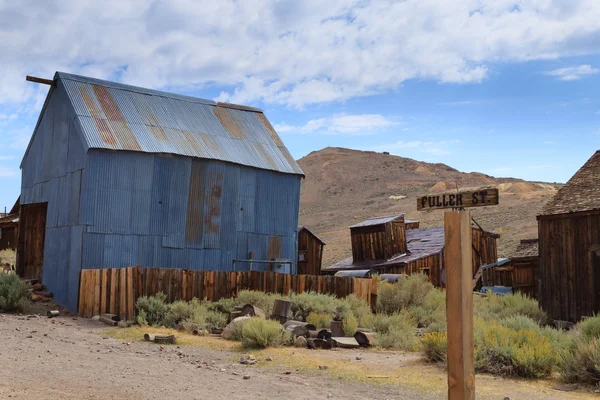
column 344, row 186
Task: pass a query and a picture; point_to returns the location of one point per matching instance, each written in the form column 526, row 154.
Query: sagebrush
column 262, row 333
column 13, row 293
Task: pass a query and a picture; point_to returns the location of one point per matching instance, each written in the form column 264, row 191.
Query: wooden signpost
column 458, row 254
column 472, row 198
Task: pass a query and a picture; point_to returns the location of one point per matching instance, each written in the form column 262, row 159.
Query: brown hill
column 345, row 186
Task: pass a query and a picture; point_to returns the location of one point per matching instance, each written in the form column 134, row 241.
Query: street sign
column 458, row 200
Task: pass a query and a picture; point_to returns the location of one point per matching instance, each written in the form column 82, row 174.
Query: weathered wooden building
column 520, row 271
column 9, row 228
column 385, row 245
column 310, row 252
column 116, row 175
column 569, row 246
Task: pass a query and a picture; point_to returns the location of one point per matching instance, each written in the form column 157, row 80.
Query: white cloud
column 572, row 73
column 348, row 124
column 284, row 52
column 8, row 172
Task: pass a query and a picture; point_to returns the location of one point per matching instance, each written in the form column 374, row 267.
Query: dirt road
column 67, row 358
column 63, row 358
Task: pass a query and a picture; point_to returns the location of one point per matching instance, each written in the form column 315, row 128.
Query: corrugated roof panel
column 377, row 221
column 113, row 116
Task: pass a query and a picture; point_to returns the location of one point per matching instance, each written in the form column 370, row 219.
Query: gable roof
column 376, row 221
column 580, row 193
column 304, row 228
column 115, row 116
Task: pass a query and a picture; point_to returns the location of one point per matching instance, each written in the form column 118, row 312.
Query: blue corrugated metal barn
column 132, row 176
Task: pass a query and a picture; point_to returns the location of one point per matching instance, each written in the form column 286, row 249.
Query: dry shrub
column 152, row 310
column 262, row 300
column 360, row 308
column 349, row 324
column 8, row 256
column 262, row 333
column 309, row 302
column 581, row 363
column 13, row 293
column 408, row 292
column 320, row 321
column 435, row 346
column 590, row 327
column 495, row 307
column 504, row 351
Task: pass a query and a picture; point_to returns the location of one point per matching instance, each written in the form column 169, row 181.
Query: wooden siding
column 485, row 250
column 411, row 225
column 520, row 273
column 116, row 290
column 8, row 239
column 378, row 242
column 568, row 245
column 312, row 250
column 32, row 231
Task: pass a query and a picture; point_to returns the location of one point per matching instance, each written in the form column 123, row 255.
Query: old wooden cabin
column 310, row 252
column 569, row 246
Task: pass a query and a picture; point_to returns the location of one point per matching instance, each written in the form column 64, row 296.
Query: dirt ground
column 75, row 358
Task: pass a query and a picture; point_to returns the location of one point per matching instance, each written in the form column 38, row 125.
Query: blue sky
column 501, row 87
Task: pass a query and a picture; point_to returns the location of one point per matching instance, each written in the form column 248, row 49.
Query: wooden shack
column 378, row 238
column 310, row 252
column 417, row 250
column 9, row 228
column 519, row 271
column 569, row 246
column 411, row 224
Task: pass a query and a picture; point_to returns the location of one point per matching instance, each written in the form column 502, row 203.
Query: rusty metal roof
column 376, row 221
column 121, row 117
column 580, row 193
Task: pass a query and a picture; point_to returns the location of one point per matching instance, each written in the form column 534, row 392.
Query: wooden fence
column 115, row 291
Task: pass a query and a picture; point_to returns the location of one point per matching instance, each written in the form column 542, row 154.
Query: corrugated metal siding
column 114, row 116
column 111, row 209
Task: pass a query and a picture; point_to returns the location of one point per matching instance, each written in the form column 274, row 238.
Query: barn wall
column 175, row 212
column 566, row 267
column 313, row 250
column 51, row 173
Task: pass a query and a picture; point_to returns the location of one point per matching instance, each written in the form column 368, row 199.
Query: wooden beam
column 459, row 305
column 39, row 80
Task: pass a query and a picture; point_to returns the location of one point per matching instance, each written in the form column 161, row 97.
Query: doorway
column 32, row 233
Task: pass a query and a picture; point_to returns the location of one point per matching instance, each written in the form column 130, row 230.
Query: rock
column 248, row 360
column 287, row 373
column 323, row 367
column 329, row 396
column 230, row 328
column 246, row 377
column 223, row 370
column 358, row 358
column 269, row 358
column 300, row 341
column 35, row 297
column 96, row 318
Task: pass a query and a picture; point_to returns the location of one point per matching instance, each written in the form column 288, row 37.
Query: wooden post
column 459, row 305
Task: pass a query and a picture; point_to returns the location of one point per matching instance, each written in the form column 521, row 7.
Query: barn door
column 32, row 232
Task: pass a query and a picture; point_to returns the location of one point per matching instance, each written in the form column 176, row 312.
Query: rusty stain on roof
column 270, row 129
column 263, row 152
column 122, row 117
column 229, row 122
